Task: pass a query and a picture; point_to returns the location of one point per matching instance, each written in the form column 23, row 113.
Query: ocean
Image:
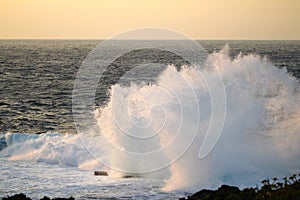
column 42, row 153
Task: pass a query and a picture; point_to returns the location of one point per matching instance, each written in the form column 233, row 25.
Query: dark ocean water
column 37, row 77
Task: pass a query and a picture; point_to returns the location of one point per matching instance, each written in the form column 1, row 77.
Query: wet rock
column 45, row 198
column 100, row 173
column 203, row 194
column 71, row 198
column 20, row 196
column 224, row 192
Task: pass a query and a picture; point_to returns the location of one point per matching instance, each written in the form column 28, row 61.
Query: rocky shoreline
column 22, row 196
column 288, row 188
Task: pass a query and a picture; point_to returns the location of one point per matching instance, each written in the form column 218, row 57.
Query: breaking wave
column 260, row 136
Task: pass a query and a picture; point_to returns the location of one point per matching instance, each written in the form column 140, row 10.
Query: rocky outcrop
column 224, row 192
column 100, row 173
column 22, row 196
column 271, row 190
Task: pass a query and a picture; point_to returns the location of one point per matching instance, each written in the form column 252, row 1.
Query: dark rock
column 270, row 191
column 203, row 194
column 100, row 173
column 131, row 175
column 71, row 198
column 248, row 193
column 17, row 197
column 226, row 190
column 45, row 198
column 23, row 197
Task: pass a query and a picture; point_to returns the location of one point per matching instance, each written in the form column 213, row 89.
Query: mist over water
column 260, row 137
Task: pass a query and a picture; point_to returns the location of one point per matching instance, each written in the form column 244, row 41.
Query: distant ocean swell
column 260, row 137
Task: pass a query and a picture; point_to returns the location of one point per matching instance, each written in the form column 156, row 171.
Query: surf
column 260, row 137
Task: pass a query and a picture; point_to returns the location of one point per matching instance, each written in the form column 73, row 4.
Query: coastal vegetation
column 272, row 189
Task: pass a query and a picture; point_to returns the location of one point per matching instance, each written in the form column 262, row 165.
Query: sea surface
column 37, row 77
column 42, row 154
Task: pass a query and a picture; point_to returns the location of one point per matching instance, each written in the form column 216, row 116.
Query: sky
column 102, row 19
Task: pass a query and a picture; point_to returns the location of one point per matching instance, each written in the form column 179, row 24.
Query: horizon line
column 70, row 38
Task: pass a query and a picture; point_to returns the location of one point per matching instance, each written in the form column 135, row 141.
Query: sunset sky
column 198, row 19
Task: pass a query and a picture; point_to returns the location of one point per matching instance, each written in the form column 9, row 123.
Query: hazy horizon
column 102, row 19
column 196, row 39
